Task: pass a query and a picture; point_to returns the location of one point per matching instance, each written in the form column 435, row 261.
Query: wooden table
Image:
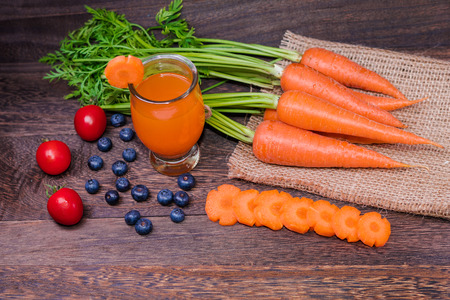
column 102, row 257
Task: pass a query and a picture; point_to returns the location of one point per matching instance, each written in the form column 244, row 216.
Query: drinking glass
column 168, row 113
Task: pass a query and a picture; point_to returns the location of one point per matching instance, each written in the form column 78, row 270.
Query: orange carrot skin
column 350, row 138
column 271, row 114
column 320, row 115
column 348, row 72
column 344, row 223
column 373, row 230
column 278, row 143
column 387, row 103
column 303, row 78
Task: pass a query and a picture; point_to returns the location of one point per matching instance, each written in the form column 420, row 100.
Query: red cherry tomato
column 53, row 157
column 65, row 207
column 90, row 122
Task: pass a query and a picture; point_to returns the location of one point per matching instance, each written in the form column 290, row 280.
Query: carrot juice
column 169, row 125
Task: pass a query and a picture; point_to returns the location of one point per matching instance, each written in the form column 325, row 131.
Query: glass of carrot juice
column 168, row 114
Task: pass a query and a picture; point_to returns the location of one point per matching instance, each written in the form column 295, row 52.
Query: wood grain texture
column 198, row 241
column 244, row 282
column 102, row 257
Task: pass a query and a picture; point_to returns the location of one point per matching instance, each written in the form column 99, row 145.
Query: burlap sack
column 411, row 190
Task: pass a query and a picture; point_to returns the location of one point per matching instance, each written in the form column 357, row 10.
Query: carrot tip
column 420, row 100
column 419, row 166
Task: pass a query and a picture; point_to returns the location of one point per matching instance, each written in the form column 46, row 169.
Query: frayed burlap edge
column 411, row 190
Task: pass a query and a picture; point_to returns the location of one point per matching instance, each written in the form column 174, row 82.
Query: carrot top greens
column 84, row 53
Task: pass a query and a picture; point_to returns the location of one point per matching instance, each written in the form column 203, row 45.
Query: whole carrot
column 301, row 77
column 312, row 113
column 271, row 114
column 348, row 72
column 275, row 142
column 387, row 103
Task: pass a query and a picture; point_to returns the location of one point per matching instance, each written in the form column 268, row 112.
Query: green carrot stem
column 237, row 100
column 213, row 86
column 276, row 52
column 255, row 95
column 236, row 110
column 224, row 52
column 255, row 100
column 230, row 127
column 212, row 73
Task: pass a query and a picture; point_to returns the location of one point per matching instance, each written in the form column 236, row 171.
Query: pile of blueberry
column 119, row 168
column 165, row 197
column 139, row 192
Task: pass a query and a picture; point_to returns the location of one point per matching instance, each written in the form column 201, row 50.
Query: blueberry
column 104, row 144
column 119, row 168
column 177, row 215
column 164, row 197
column 129, row 154
column 181, row 198
column 95, row 162
column 122, row 184
column 143, row 226
column 139, row 193
column 92, row 186
column 118, row 120
column 126, row 134
column 186, row 181
column 132, row 217
column 112, row 197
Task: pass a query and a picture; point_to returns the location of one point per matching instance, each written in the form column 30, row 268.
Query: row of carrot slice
column 274, row 209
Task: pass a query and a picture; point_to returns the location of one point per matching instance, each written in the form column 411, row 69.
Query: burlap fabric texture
column 411, row 190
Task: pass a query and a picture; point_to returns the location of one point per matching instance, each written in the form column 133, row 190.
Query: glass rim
column 175, row 57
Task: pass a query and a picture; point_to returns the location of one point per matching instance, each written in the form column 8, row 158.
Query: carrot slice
column 218, row 205
column 344, row 223
column 293, row 214
column 319, row 217
column 267, row 208
column 373, row 229
column 121, row 70
column 243, row 206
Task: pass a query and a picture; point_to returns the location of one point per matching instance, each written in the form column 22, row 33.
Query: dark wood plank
column 179, row 282
column 198, row 241
column 415, row 27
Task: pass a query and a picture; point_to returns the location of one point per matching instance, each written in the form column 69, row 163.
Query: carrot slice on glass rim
column 122, row 70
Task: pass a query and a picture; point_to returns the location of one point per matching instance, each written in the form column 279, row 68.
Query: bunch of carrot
column 319, row 109
column 275, row 210
column 315, row 122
